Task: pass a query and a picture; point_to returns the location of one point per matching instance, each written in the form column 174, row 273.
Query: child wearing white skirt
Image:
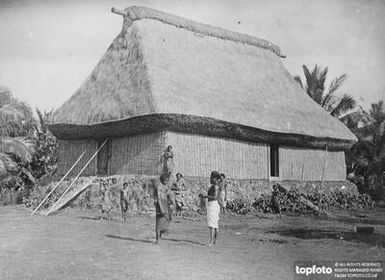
column 213, row 208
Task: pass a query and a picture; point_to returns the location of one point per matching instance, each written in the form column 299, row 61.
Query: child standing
column 275, row 201
column 106, row 201
column 124, row 200
column 177, row 189
column 223, row 194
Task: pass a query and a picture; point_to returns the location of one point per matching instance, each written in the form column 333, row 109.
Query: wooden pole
column 323, row 168
column 62, row 179
column 77, row 176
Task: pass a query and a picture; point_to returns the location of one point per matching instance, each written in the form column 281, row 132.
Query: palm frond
column 313, row 86
column 350, row 120
column 377, row 112
column 327, row 99
column 321, row 78
column 357, row 120
column 331, row 103
column 315, row 82
column 336, row 83
column 345, row 104
column 318, row 96
column 299, row 81
column 309, row 80
column 42, row 127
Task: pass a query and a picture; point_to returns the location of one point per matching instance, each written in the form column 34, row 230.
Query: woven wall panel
column 198, row 155
column 138, row 154
column 69, row 151
column 307, row 164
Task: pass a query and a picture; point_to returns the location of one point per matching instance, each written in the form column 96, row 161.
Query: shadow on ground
column 152, row 242
column 373, row 239
column 90, row 218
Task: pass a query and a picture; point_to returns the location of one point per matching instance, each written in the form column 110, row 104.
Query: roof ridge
column 134, row 13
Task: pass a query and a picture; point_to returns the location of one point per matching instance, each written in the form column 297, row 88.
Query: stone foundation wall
column 142, row 194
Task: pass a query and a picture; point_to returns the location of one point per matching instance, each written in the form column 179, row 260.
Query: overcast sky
column 48, row 48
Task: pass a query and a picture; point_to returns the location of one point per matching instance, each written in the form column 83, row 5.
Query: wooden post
column 62, row 179
column 268, row 161
column 77, row 176
column 323, row 168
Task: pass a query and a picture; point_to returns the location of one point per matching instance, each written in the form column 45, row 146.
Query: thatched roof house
column 222, row 99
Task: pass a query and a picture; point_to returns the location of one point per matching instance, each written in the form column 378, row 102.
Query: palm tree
column 44, row 118
column 27, row 148
column 377, row 113
column 315, row 87
column 373, row 130
column 366, row 158
column 15, row 118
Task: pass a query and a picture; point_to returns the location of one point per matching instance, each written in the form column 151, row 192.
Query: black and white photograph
column 176, row 139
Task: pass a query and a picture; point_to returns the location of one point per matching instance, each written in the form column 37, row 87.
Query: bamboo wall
column 307, row 164
column 69, row 152
column 138, row 154
column 198, row 155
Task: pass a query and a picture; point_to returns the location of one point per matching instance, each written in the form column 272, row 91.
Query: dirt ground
column 75, row 244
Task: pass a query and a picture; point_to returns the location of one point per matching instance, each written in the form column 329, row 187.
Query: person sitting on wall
column 168, row 161
column 124, row 200
column 177, row 187
column 106, row 204
column 223, row 194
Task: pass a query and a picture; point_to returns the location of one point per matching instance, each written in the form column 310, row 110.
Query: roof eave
column 194, row 125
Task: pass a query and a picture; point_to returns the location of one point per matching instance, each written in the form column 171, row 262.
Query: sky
column 49, row 47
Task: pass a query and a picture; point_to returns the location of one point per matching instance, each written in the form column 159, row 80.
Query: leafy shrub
column 240, row 206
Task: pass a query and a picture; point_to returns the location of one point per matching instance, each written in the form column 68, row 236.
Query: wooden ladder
column 65, row 198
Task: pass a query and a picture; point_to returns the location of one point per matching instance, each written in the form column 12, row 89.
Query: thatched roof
column 162, row 65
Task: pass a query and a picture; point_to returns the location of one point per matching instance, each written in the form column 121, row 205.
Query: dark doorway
column 103, row 158
column 274, row 161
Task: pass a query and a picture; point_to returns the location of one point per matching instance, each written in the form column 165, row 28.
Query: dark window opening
column 274, row 161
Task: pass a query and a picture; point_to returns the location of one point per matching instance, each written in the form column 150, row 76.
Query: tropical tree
column 27, row 148
column 16, row 124
column 16, row 117
column 44, row 159
column 315, row 86
column 366, row 158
